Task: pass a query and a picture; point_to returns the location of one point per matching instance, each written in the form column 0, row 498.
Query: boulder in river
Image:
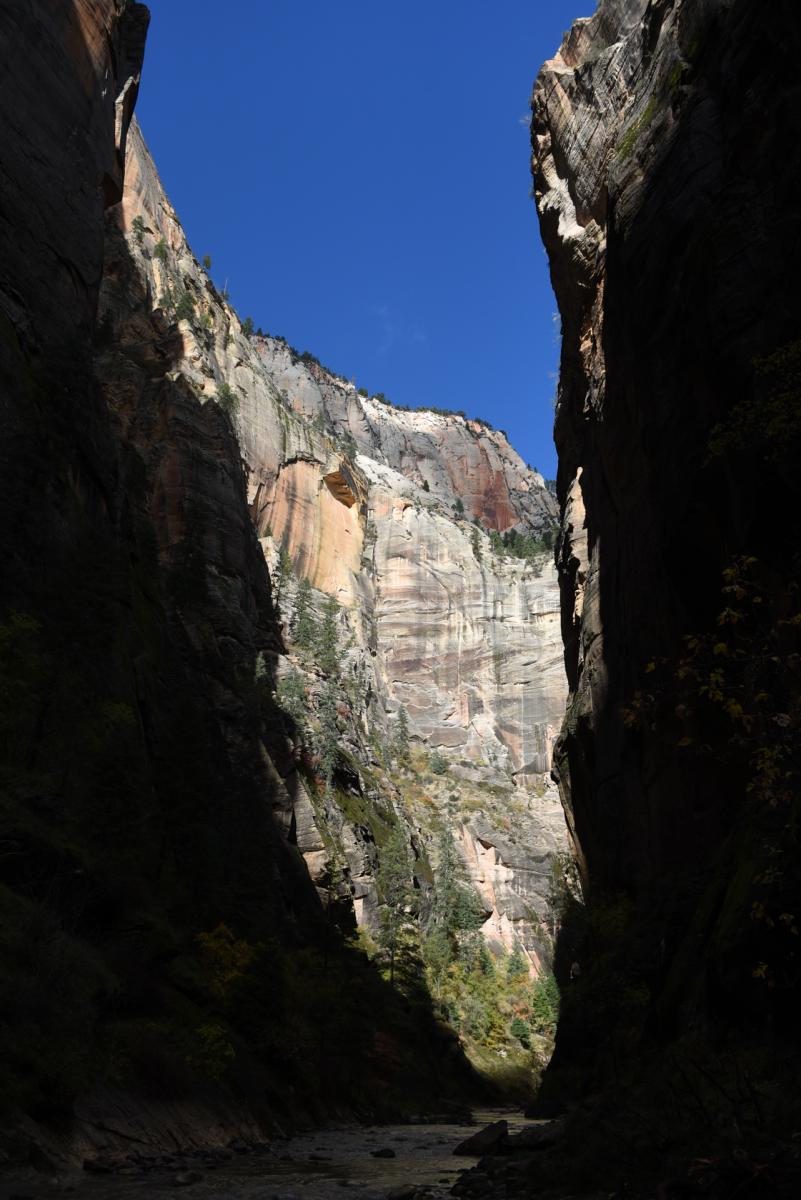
column 535, row 1137
column 488, row 1140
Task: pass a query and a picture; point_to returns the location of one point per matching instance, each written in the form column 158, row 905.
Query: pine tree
column 520, row 1030
column 437, row 763
column 283, row 570
column 455, row 909
column 394, row 879
column 544, row 1003
column 475, row 543
column 401, row 743
column 438, row 956
column 329, row 733
column 303, row 625
column 327, row 639
column 516, row 965
column 292, row 698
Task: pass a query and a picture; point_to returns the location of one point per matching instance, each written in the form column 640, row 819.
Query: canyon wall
column 167, row 963
column 667, row 170
column 181, row 891
column 372, row 505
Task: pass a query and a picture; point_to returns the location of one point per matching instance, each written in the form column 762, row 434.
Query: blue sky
column 358, row 172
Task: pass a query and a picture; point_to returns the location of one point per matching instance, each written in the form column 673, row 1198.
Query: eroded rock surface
column 666, row 168
column 363, row 497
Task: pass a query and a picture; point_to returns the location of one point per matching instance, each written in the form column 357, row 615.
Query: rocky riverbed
column 379, row 1162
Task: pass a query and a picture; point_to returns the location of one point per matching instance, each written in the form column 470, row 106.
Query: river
column 312, row 1166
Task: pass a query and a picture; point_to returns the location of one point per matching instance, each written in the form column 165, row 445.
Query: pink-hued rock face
column 316, row 517
column 458, row 459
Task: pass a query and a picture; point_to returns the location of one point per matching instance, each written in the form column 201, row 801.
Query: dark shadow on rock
column 701, row 283
column 165, row 939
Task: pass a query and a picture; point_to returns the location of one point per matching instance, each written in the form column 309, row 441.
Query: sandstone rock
column 469, row 645
column 659, row 137
column 488, row 1140
column 535, row 1137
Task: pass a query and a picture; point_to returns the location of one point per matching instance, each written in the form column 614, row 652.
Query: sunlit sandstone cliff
column 157, row 807
column 666, row 169
column 150, row 805
column 362, row 497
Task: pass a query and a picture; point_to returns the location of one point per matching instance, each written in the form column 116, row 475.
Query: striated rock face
column 465, row 638
column 666, row 166
column 457, row 458
column 151, row 812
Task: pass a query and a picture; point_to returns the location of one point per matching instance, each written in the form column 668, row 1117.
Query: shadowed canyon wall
column 163, row 939
column 180, row 892
column 667, row 175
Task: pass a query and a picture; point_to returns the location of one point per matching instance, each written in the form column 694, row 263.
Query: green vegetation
column 506, row 1023
column 207, row 262
column 184, row 307
column 138, row 230
column 458, row 506
column 731, row 704
column 303, row 625
column 522, row 545
column 520, row 1029
column 348, row 444
column 283, row 572
column 768, row 422
column 629, row 139
column 454, row 910
column 247, row 327
column 326, row 639
column 329, row 733
column 160, row 250
column 395, row 887
column 544, row 1005
column 401, row 740
column 475, row 543
column 437, row 763
column 292, row 698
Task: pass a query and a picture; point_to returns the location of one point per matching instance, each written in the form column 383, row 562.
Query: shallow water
column 312, row 1166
